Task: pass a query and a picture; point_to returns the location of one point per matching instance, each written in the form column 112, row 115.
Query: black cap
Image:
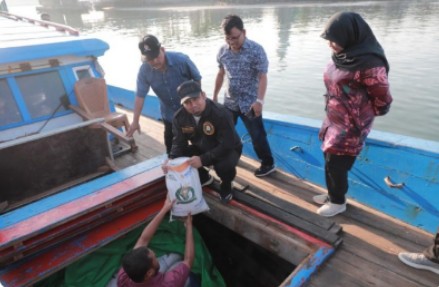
column 150, row 47
column 188, row 89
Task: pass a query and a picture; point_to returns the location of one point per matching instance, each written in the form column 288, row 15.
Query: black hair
column 136, row 263
column 232, row 21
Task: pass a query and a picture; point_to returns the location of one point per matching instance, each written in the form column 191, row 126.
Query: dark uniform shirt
column 214, row 136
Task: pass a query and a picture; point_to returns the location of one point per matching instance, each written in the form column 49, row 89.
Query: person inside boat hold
column 427, row 260
column 245, row 64
column 162, row 71
column 141, row 267
column 357, row 91
column 209, row 128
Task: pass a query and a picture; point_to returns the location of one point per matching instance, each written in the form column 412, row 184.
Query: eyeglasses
column 233, row 38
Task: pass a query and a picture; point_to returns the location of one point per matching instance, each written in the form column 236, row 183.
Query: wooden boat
column 73, row 183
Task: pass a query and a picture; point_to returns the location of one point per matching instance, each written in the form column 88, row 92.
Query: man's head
column 192, row 97
column 140, row 264
column 153, row 51
column 234, row 31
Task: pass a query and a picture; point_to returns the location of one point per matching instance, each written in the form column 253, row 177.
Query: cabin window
column 42, row 93
column 9, row 113
column 83, row 72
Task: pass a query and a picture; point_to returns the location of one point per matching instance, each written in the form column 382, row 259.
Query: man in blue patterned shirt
column 245, row 65
column 163, row 72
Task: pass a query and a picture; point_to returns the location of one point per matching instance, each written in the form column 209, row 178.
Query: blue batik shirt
column 179, row 68
column 242, row 71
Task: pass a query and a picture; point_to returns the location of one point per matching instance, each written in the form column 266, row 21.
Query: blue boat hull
column 397, row 175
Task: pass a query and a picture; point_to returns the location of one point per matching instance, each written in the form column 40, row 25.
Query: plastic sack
column 183, row 184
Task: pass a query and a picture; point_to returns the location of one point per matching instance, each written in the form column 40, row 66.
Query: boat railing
column 58, row 27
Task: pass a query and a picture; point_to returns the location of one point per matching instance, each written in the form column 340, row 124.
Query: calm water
column 408, row 31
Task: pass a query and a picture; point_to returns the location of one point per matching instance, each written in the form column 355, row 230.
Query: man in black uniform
column 213, row 139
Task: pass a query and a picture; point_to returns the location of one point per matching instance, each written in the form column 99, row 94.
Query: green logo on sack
column 185, row 195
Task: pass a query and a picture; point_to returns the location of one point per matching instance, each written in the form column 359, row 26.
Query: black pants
column 256, row 129
column 336, row 175
column 432, row 252
column 224, row 168
column 168, row 136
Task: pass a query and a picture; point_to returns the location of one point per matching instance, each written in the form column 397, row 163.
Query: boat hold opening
column 252, row 243
column 240, row 261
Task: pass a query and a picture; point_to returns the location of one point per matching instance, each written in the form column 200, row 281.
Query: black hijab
column 361, row 49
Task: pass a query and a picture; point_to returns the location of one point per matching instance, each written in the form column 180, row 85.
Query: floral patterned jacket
column 353, row 99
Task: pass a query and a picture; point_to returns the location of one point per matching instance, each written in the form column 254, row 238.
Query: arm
column 218, row 84
column 138, row 106
column 189, row 250
column 179, row 142
column 262, row 88
column 377, row 85
column 225, row 136
column 193, row 70
column 151, row 228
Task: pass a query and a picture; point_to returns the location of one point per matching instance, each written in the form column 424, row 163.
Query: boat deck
column 371, row 240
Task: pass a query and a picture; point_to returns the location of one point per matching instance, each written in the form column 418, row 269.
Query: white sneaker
column 330, row 209
column 320, row 199
column 418, row 261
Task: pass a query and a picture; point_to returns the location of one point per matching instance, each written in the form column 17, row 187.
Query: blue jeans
column 256, row 129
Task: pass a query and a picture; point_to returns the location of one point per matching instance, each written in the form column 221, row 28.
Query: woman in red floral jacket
column 357, row 91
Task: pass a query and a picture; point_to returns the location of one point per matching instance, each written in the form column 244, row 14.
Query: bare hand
column 133, row 127
column 195, row 162
column 257, row 108
column 167, row 205
column 188, row 221
column 165, row 166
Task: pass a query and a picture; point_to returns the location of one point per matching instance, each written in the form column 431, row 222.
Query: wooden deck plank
column 371, row 240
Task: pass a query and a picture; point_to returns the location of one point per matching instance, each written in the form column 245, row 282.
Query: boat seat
column 91, row 94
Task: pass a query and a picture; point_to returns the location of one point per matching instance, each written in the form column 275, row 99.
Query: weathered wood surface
column 371, row 240
column 44, row 164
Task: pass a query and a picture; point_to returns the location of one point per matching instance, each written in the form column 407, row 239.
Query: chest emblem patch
column 208, row 128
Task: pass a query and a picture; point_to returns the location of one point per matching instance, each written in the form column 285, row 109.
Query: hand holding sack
column 183, row 184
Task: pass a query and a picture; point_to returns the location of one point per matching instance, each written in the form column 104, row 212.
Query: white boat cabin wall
column 35, row 95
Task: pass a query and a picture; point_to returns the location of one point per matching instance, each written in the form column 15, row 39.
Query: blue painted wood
column 76, row 192
column 125, row 98
column 296, row 148
column 77, row 46
column 309, row 266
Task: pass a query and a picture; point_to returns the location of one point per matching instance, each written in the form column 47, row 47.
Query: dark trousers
column 432, row 252
column 168, row 136
column 336, row 175
column 224, row 168
column 256, row 129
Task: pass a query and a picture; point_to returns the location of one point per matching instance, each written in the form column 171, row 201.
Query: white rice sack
column 183, row 184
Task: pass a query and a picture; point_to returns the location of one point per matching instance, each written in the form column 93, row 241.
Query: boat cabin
column 45, row 146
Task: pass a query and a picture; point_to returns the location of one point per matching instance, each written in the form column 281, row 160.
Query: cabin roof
column 24, row 39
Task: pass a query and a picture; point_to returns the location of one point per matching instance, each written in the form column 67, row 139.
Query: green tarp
column 97, row 268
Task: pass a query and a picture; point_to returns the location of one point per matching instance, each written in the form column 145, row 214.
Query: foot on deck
column 265, row 170
column 226, row 193
column 205, row 177
column 320, row 199
column 207, row 181
column 227, row 198
column 330, row 209
column 418, row 261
